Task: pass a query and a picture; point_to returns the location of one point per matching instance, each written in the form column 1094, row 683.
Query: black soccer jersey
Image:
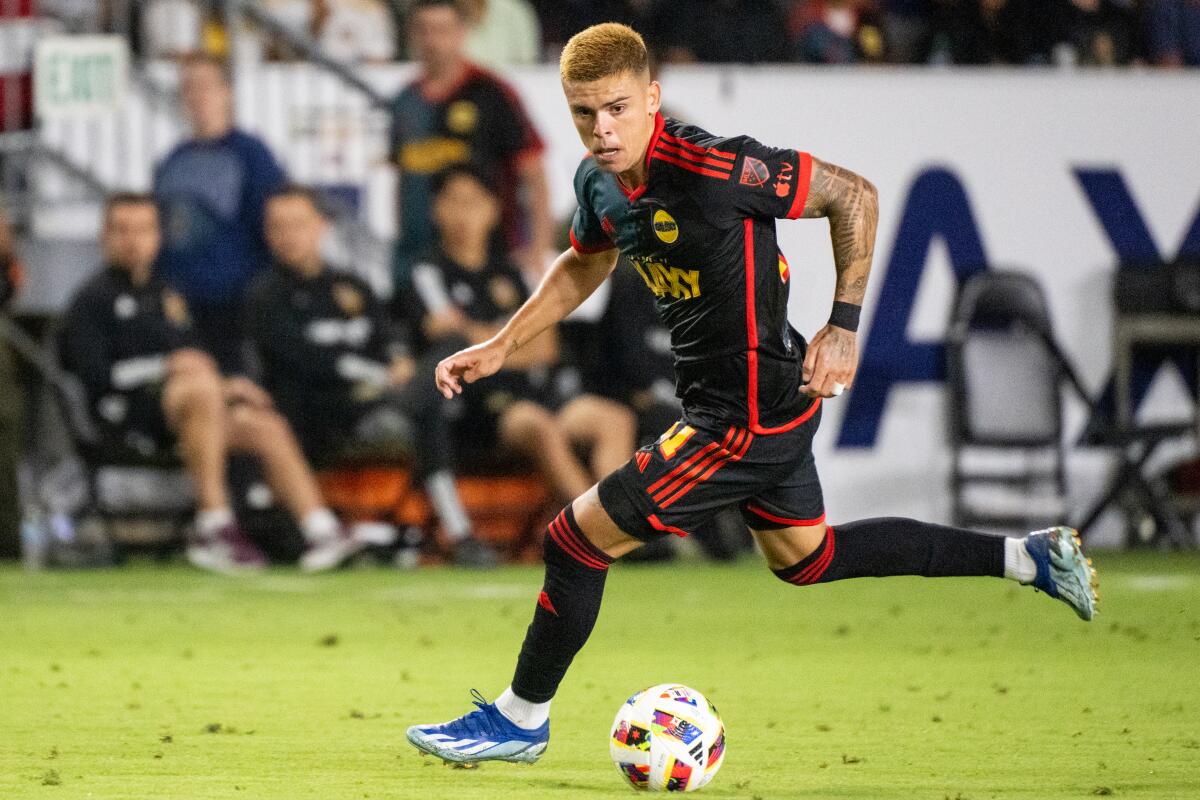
column 701, row 233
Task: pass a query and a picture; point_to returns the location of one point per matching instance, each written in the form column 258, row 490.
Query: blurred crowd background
column 228, row 346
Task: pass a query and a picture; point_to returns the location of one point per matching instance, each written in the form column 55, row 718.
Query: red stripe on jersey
column 796, row 523
column 659, row 525
column 711, row 173
column 721, row 166
column 675, row 140
column 752, row 347
column 588, row 250
column 632, row 195
column 802, row 184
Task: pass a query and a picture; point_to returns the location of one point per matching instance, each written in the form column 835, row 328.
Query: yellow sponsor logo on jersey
column 432, row 155
column 665, row 227
column 664, row 280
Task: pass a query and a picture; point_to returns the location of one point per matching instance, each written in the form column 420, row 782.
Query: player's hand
column 469, row 365
column 830, row 363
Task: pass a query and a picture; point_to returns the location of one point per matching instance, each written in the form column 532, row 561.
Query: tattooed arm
column 852, row 206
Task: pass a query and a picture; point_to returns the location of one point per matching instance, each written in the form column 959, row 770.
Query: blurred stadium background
column 1051, row 139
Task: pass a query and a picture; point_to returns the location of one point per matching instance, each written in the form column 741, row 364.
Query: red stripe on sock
column 558, row 533
column 813, row 572
column 544, row 602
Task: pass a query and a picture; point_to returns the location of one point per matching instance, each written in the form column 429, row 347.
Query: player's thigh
column 589, row 416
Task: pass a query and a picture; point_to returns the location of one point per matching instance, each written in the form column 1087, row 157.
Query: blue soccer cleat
column 482, row 735
column 1062, row 570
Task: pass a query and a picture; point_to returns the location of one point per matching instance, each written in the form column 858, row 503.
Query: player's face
column 293, row 231
column 131, row 236
column 465, row 212
column 615, row 117
column 207, row 99
column 437, row 36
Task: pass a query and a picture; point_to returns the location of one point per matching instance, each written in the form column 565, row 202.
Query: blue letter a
column 937, row 205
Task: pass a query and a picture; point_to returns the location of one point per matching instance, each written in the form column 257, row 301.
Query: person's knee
column 526, row 423
column 192, row 392
column 591, row 417
column 254, row 428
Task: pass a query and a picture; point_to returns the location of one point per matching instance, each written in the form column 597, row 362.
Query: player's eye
column 617, row 109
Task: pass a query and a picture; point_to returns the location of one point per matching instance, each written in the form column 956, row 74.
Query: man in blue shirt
column 212, row 190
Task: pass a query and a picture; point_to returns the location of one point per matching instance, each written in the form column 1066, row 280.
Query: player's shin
column 896, row 546
column 564, row 617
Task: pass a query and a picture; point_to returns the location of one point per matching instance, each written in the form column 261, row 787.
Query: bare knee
column 592, row 418
column 196, row 391
column 525, row 425
column 254, row 429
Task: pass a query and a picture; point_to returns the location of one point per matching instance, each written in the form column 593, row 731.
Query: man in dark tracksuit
column 128, row 337
column 337, row 369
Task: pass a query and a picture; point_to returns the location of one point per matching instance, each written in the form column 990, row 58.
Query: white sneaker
column 331, row 552
column 229, row 552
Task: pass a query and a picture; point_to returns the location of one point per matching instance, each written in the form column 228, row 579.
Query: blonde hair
column 603, row 50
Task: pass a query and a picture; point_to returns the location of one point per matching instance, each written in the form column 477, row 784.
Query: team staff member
column 465, row 290
column 129, row 338
column 211, row 190
column 696, row 215
column 456, row 113
column 336, row 368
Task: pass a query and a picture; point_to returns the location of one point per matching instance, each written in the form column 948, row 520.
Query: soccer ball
column 668, row 738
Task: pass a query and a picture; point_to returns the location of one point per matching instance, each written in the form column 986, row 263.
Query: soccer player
column 696, row 214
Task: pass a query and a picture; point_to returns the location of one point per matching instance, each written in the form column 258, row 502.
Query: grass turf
column 166, row 683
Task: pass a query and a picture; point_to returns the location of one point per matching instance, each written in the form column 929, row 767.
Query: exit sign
column 80, row 75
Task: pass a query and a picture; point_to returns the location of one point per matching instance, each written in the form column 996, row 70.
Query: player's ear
column 653, row 98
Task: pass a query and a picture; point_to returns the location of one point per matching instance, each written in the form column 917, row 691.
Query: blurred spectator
column 128, row 337
column 337, row 370
column 834, row 32
column 562, row 19
column 349, row 31
column 1098, row 32
column 907, row 30
column 1173, row 32
column 503, row 33
column 727, row 31
column 464, row 291
column 212, row 189
column 456, row 113
column 10, row 408
column 998, row 31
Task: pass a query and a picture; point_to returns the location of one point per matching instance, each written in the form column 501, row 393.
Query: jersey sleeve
column 587, row 234
column 770, row 182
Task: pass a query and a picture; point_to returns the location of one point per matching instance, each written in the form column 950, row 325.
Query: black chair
column 1005, row 407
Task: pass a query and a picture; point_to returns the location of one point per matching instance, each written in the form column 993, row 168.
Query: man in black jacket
column 128, row 337
column 338, row 370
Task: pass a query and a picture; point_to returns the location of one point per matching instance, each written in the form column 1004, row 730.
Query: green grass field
column 166, row 683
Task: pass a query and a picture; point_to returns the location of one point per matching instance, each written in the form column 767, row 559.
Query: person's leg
column 194, row 406
column 579, row 546
column 531, row 429
column 606, row 428
column 265, row 434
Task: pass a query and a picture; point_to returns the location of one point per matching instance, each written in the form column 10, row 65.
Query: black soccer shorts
column 693, row 471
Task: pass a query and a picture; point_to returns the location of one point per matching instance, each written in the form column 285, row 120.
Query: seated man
column 128, row 338
column 466, row 289
column 337, row 370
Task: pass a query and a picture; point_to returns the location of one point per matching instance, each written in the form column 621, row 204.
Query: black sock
column 566, row 611
column 877, row 548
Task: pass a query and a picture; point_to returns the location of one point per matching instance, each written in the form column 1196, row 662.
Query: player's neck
column 439, row 78
column 635, row 176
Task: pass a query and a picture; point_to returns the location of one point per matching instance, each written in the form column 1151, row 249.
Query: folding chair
column 1005, row 405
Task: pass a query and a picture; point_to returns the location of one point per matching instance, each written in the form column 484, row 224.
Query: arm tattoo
column 852, row 206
